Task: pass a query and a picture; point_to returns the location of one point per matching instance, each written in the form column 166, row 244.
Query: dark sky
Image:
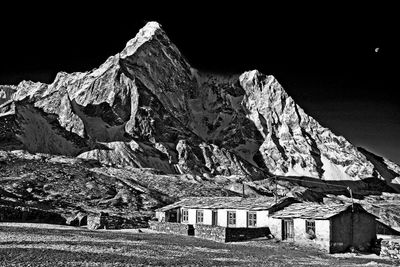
column 323, row 55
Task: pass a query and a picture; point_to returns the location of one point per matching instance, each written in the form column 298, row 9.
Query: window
column 199, row 216
column 214, row 218
column 287, row 229
column 185, row 215
column 310, row 227
column 231, row 218
column 252, row 219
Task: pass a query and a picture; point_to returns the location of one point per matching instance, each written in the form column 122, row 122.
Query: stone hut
column 331, row 227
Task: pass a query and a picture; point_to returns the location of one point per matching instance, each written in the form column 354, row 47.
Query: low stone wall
column 215, row 233
column 222, row 234
column 169, row 227
column 105, row 221
column 27, row 214
column 390, row 248
column 240, row 234
column 210, row 232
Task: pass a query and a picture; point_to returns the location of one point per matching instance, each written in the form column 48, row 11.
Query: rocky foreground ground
column 49, row 245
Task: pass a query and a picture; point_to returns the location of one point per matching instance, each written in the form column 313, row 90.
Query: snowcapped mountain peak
column 250, row 79
column 145, row 34
column 249, row 75
column 147, row 107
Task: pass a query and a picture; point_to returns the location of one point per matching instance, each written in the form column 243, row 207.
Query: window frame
column 198, row 212
column 252, row 222
column 229, row 212
column 310, row 225
column 185, row 217
column 214, row 217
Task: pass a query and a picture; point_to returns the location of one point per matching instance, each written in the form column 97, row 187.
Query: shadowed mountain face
column 147, row 107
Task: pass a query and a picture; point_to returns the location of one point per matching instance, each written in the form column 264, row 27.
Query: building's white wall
column 222, row 218
column 207, row 217
column 192, row 216
column 241, row 218
column 160, row 215
column 262, row 218
column 275, row 226
column 322, row 232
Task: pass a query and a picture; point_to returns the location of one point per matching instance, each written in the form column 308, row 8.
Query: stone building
column 219, row 218
column 331, row 227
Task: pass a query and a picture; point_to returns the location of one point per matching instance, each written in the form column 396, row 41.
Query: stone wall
column 390, row 248
column 28, row 214
column 169, row 227
column 215, row 233
column 105, row 221
column 352, row 230
column 240, row 234
column 223, row 234
column 275, row 226
column 210, row 232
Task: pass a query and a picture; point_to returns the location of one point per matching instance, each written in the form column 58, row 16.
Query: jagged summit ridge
column 144, row 35
column 147, row 107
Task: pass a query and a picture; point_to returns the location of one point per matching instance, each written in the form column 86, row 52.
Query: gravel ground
column 53, row 245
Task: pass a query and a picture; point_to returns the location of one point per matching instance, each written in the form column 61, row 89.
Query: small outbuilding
column 331, row 227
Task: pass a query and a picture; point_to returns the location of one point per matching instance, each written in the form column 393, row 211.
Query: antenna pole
column 276, row 190
column 352, row 201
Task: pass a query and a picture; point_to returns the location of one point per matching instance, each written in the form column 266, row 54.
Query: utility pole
column 351, row 196
column 276, row 190
column 352, row 216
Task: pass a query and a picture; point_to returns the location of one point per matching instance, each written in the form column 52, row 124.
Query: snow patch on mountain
column 144, row 35
column 335, row 172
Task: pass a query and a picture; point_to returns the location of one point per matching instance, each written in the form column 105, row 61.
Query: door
column 287, row 229
column 173, row 216
column 214, row 220
column 190, row 229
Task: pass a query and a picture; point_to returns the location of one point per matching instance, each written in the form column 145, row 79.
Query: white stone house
column 228, row 212
column 333, row 227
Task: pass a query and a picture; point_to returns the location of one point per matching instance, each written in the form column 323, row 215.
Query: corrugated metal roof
column 259, row 203
column 312, row 210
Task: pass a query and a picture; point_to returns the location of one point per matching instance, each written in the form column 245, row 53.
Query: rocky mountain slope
column 147, row 108
column 73, row 187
